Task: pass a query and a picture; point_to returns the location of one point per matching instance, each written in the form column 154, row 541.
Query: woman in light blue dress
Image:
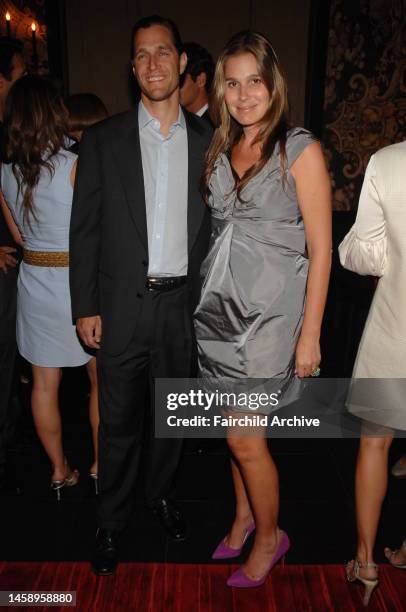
column 37, row 186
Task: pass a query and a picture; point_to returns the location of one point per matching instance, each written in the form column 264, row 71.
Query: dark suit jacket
column 206, row 117
column 108, row 233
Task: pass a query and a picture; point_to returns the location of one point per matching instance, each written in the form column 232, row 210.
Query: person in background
column 84, row 110
column 197, row 80
column 37, row 183
column 375, row 246
column 12, row 67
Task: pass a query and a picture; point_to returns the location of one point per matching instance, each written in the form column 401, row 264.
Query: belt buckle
column 162, row 283
column 152, row 284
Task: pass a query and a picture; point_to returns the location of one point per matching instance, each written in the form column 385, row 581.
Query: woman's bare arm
column 15, row 232
column 314, row 197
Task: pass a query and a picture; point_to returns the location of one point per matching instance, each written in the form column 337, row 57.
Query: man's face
column 17, row 70
column 157, row 64
column 189, row 91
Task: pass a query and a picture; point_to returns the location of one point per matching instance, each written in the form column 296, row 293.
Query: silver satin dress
column 251, row 306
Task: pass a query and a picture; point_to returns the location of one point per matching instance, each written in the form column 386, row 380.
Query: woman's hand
column 308, row 355
column 6, row 259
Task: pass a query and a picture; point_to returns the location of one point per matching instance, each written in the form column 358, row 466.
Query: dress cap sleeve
column 296, row 142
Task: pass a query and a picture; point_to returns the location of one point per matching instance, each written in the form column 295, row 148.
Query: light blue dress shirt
column 165, row 169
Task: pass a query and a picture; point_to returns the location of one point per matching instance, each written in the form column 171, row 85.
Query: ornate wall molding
column 365, row 89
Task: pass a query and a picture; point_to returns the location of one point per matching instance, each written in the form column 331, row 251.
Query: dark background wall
column 98, row 39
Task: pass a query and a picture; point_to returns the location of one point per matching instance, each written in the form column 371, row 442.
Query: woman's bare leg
column 371, row 479
column 260, row 478
column 94, row 411
column 45, row 410
column 243, row 513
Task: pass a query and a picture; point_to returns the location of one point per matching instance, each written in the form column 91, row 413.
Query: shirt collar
column 202, row 110
column 145, row 118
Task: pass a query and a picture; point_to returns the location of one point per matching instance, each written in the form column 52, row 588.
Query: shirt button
column 158, row 236
column 139, row 295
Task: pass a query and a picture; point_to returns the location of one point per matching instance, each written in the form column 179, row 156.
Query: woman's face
column 246, row 95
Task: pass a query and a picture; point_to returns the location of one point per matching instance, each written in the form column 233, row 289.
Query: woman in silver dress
column 37, row 185
column 266, row 274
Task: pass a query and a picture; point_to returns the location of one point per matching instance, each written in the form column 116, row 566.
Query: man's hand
column 90, row 330
column 6, row 259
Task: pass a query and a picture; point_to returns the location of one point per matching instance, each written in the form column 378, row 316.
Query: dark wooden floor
column 317, row 507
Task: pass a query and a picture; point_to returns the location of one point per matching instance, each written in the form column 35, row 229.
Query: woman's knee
column 46, row 380
column 375, row 444
column 246, row 449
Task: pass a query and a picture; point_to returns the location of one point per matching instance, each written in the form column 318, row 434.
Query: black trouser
column 8, row 348
column 160, row 348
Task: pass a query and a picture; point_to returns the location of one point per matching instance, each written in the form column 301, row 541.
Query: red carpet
column 160, row 587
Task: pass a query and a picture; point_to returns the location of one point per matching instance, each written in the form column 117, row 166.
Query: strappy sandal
column 69, row 481
column 352, row 571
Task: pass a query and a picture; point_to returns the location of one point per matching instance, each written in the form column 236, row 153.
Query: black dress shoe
column 170, row 517
column 105, row 558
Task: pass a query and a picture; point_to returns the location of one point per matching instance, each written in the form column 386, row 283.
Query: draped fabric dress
column 251, row 308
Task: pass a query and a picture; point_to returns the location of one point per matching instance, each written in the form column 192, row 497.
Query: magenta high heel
column 223, row 551
column 226, row 552
column 239, row 579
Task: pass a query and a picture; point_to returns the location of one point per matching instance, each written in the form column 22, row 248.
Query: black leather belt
column 164, row 283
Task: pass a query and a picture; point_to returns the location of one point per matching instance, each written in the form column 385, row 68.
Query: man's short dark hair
column 8, row 48
column 157, row 20
column 199, row 60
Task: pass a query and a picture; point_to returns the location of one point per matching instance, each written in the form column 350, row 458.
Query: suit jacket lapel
column 196, row 153
column 127, row 151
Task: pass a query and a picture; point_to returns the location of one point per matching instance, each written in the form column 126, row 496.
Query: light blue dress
column 45, row 333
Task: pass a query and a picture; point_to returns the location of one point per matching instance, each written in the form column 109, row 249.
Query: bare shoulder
column 309, row 160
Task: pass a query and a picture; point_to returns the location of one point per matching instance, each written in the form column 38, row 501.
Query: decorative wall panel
column 365, row 91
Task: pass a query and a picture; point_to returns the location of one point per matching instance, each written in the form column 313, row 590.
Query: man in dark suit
column 139, row 232
column 196, row 80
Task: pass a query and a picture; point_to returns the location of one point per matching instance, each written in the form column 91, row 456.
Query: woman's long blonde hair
column 275, row 122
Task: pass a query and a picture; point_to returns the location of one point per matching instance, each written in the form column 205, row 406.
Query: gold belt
column 47, row 259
